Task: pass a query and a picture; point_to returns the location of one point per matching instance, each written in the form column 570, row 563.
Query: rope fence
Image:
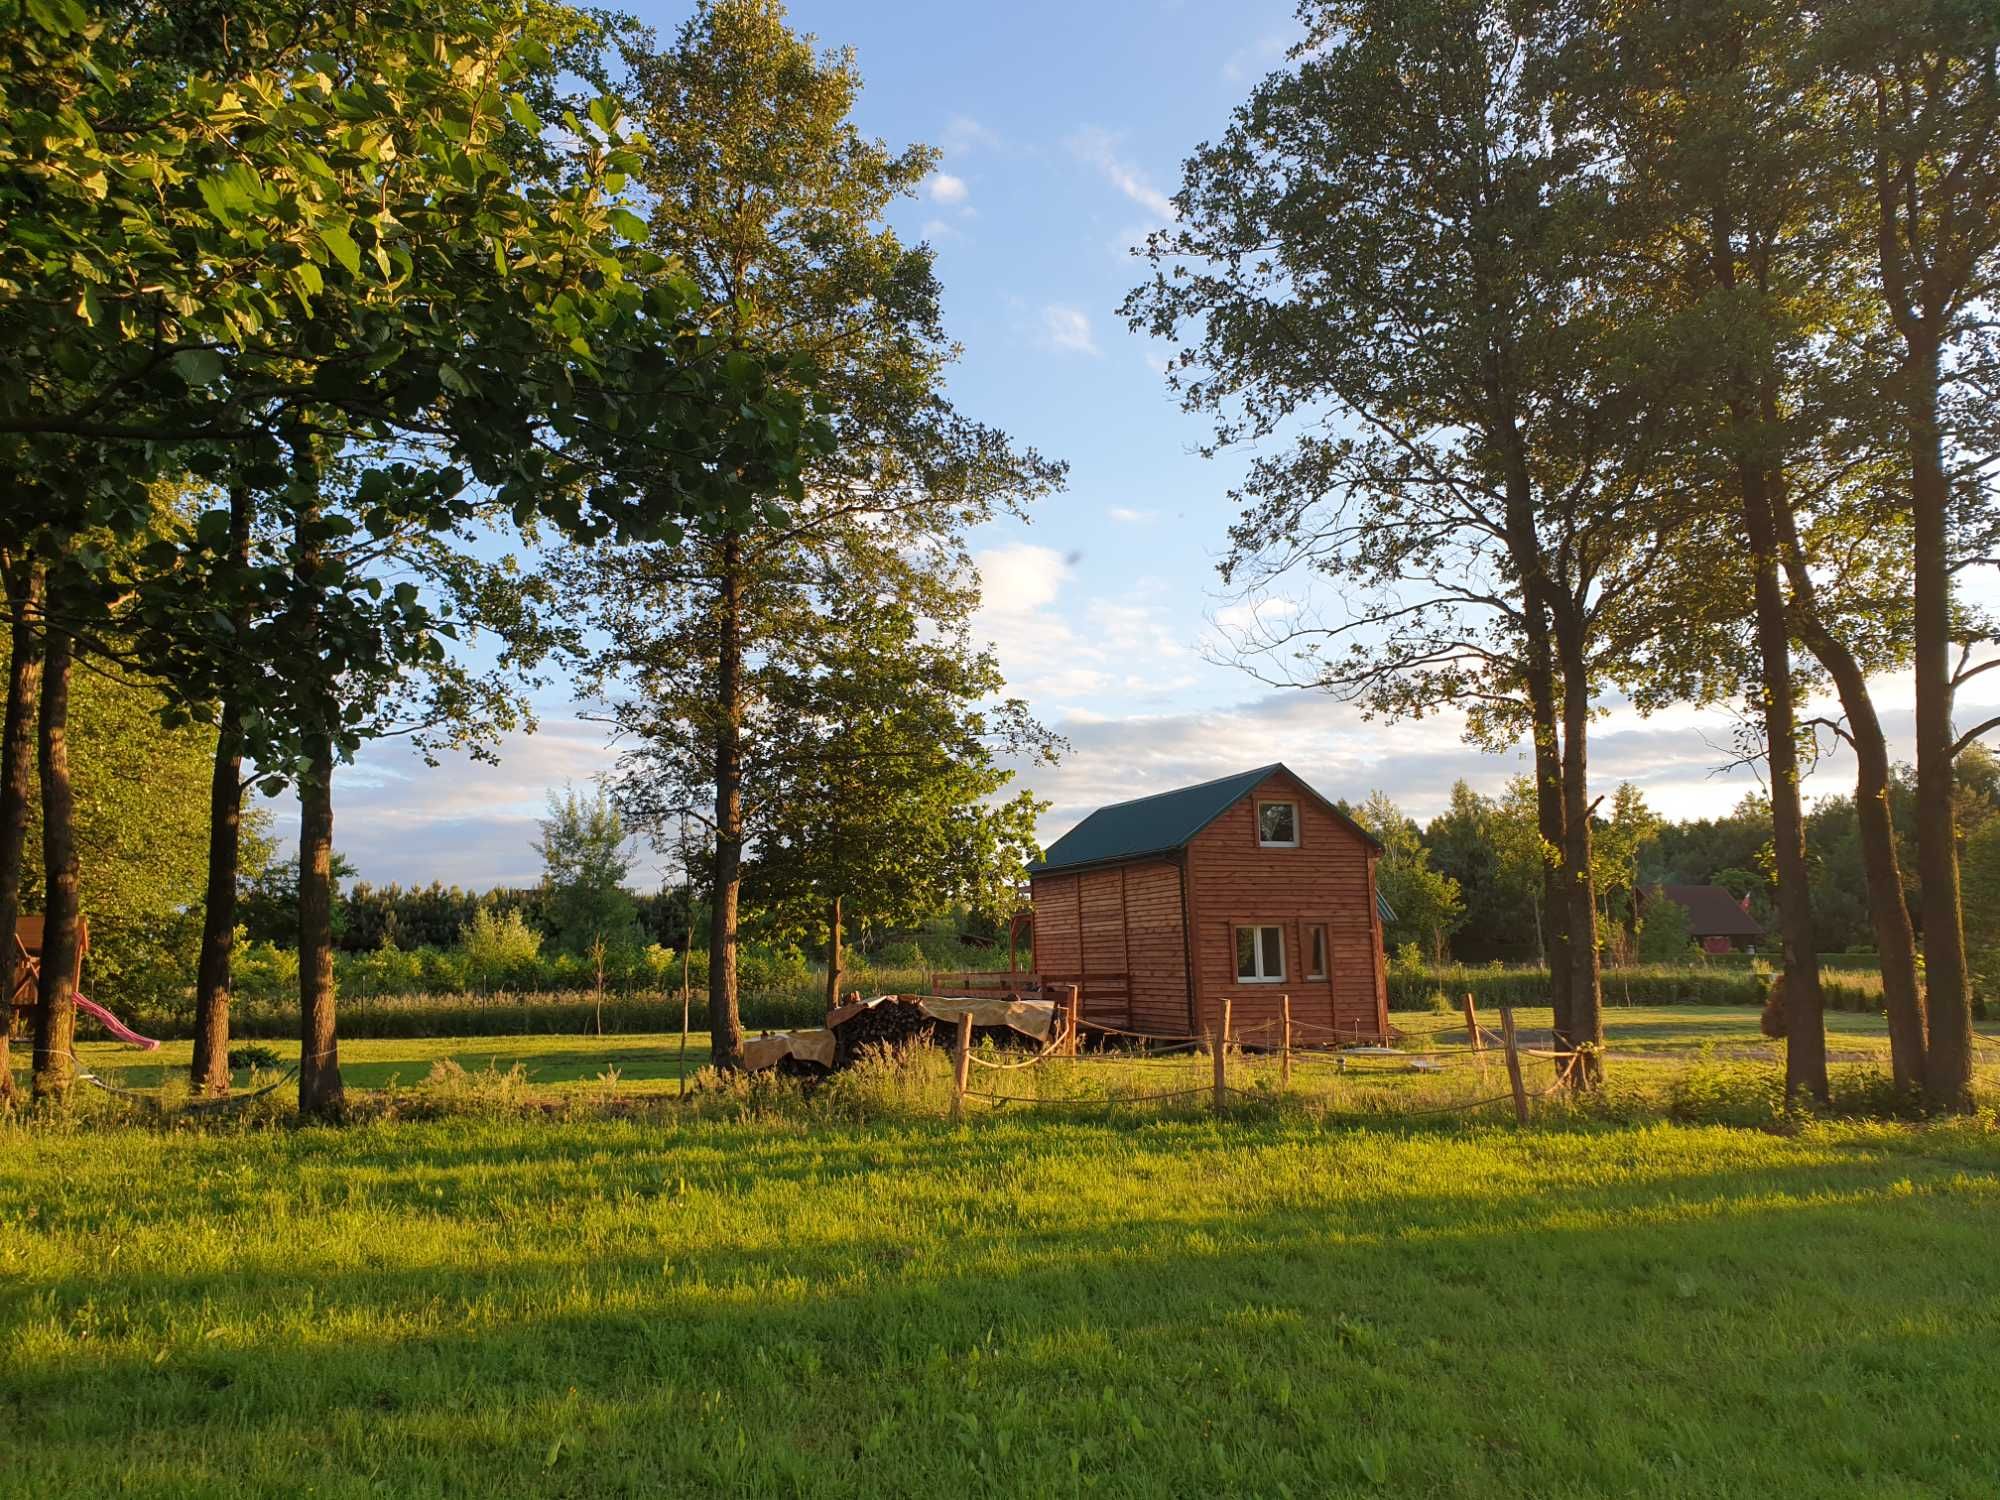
column 1283, row 1039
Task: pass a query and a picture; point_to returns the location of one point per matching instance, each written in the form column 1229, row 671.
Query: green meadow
column 762, row 1293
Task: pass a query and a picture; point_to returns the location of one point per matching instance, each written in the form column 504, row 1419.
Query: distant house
column 1717, row 920
column 1251, row 887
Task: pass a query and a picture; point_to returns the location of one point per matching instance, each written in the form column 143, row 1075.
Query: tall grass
column 623, row 1008
column 1644, row 984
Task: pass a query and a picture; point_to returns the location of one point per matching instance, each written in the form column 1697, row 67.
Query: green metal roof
column 1148, row 825
column 1161, row 823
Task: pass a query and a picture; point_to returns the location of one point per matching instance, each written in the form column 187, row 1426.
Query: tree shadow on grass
column 1637, row 1335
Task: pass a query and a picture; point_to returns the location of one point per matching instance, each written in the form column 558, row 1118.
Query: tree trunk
column 320, row 1091
column 833, row 956
column 55, row 1011
column 1525, row 548
column 1586, row 996
column 1805, row 1020
column 1888, row 913
column 724, row 1022
column 209, row 1071
column 1948, row 1067
column 17, row 771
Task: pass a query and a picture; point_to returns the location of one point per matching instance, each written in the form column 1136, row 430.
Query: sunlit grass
column 1262, row 1305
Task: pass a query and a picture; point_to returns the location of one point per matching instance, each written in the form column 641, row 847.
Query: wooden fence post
column 1514, row 1065
column 961, row 1067
column 1285, row 1057
column 1220, row 1048
column 1472, row 1035
column 1075, row 1018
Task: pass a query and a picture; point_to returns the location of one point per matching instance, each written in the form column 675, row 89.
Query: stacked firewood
column 894, row 1024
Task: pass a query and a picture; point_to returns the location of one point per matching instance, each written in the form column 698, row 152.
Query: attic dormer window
column 1278, row 825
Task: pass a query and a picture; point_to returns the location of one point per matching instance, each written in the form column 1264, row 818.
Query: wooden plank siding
column 1159, row 951
column 1329, row 880
column 1116, row 931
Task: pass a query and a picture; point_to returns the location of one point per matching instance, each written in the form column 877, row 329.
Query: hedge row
column 1858, row 963
column 1694, row 984
column 655, row 1010
column 566, row 1014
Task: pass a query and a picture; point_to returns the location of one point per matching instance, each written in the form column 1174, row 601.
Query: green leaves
column 198, row 367
column 340, row 244
column 523, row 116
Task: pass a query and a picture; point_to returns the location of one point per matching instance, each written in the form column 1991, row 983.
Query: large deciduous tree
column 1389, row 260
column 761, row 187
column 1914, row 113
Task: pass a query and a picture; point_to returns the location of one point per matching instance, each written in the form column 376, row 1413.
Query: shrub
column 500, row 949
column 1663, row 936
column 904, row 955
column 771, row 969
column 254, row 1055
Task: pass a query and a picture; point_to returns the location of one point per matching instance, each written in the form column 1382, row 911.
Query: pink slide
column 113, row 1025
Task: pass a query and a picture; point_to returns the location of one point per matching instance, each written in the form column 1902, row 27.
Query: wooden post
column 961, row 1067
column 1472, row 1036
column 1285, row 1057
column 687, row 946
column 1075, row 1019
column 1220, row 1048
column 1513, row 1065
column 834, row 958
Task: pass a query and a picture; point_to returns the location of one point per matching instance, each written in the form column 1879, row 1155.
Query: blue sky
column 1062, row 127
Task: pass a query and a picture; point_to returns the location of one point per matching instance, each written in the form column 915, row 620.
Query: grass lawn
column 1638, row 1037
column 1259, row 1306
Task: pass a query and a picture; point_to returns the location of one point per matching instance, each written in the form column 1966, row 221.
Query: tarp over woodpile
column 897, row 1020
column 1032, row 1018
column 815, row 1045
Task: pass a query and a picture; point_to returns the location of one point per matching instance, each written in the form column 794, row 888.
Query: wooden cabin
column 1251, row 887
column 1718, row 921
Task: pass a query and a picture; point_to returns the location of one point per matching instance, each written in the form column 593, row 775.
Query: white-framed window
column 1260, row 955
column 1278, row 825
column 1316, row 952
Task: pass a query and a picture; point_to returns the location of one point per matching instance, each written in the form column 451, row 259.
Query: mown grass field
column 1255, row 1306
column 845, row 1295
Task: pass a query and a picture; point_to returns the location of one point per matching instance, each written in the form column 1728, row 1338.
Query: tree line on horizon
column 1587, row 348
column 1467, row 888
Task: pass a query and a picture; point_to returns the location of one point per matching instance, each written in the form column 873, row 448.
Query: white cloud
column 938, row 229
column 947, row 189
column 1020, row 578
column 1067, row 328
column 965, row 134
column 465, row 821
column 1127, row 516
column 1068, row 651
column 1117, row 756
column 1255, row 618
column 1099, row 148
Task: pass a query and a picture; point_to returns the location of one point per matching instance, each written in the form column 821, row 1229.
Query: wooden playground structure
column 25, row 964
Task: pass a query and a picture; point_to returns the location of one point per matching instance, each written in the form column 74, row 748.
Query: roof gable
column 1712, row 911
column 1166, row 821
